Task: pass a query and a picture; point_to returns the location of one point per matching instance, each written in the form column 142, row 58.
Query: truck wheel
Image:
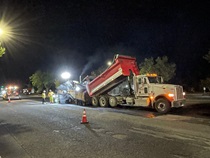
column 103, row 101
column 113, row 101
column 162, row 106
column 95, row 101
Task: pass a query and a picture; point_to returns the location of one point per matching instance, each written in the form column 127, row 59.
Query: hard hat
column 44, row 91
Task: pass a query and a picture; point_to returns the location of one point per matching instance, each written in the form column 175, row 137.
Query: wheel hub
column 161, row 106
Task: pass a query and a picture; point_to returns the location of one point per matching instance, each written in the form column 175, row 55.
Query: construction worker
column 50, row 95
column 43, row 96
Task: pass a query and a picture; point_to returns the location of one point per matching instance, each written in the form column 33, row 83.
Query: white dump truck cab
column 151, row 91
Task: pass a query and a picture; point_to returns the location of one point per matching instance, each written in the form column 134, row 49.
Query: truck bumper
column 178, row 103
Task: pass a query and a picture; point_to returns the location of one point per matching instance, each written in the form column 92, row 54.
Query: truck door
column 143, row 87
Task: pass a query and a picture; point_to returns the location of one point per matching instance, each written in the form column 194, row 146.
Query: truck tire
column 95, row 101
column 113, row 101
column 103, row 101
column 162, row 106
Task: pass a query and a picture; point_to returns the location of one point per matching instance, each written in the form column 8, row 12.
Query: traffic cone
column 9, row 100
column 84, row 118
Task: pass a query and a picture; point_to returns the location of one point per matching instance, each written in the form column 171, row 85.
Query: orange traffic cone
column 8, row 99
column 84, row 117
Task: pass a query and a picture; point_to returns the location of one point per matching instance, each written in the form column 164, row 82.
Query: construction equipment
column 121, row 84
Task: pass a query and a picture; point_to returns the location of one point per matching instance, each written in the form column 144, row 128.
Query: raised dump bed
column 121, row 68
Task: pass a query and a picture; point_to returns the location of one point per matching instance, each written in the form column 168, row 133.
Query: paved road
column 31, row 129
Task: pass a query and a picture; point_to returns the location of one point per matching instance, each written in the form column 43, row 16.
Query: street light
column 109, row 63
column 2, row 49
column 1, row 31
column 66, row 75
column 5, row 32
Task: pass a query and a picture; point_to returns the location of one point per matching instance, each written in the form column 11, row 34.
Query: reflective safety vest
column 50, row 94
column 43, row 95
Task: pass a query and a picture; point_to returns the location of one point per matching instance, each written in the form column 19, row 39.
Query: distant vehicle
column 11, row 92
column 26, row 92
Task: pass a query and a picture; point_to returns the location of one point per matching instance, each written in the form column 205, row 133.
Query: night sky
column 81, row 35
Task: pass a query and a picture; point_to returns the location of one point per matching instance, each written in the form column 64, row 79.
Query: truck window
column 139, row 81
column 142, row 81
column 154, row 79
column 145, row 81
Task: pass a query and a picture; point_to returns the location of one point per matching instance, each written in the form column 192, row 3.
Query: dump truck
column 146, row 90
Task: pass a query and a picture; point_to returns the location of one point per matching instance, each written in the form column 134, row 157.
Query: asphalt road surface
column 29, row 129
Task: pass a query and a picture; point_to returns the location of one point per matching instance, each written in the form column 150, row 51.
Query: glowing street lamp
column 109, row 63
column 66, row 75
column 5, row 32
column 1, row 31
column 2, row 49
column 5, row 35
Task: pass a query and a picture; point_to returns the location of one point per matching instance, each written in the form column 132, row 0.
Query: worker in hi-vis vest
column 50, row 95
